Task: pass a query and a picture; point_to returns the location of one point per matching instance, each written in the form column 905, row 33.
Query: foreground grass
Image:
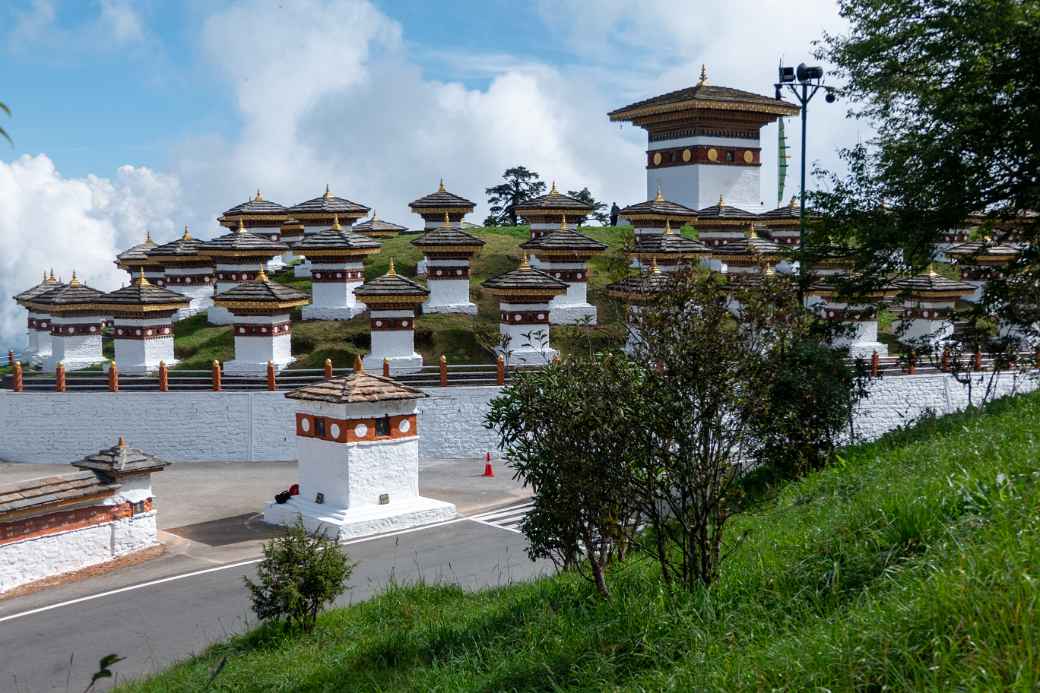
column 910, row 565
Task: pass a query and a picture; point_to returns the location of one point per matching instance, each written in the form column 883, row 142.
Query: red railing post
column 978, row 359
column 945, row 367
column 444, row 371
column 19, row 378
column 59, row 378
column 272, row 383
column 216, row 376
column 386, row 367
column 359, row 366
column 113, row 377
column 875, row 365
column 164, row 377
column 500, row 368
column 328, row 369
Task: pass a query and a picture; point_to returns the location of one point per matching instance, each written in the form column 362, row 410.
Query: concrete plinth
column 463, row 308
column 582, row 313
column 313, row 312
column 411, row 363
column 360, row 521
column 530, row 357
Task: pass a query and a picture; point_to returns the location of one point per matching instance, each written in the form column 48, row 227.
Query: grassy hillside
column 911, row 565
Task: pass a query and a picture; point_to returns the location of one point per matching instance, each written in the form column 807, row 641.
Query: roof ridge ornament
column 147, row 236
column 74, row 282
column 121, row 443
column 553, row 190
column 141, row 279
column 794, row 202
column 51, row 278
column 440, row 187
column 752, row 234
column 241, row 226
column 659, row 197
column 327, row 194
column 524, row 263
column 392, row 270
column 654, row 269
column 704, row 75
column 261, row 276
column 259, row 197
column 187, row 235
column 447, row 221
column 668, row 228
column 722, row 202
column 335, row 222
column 563, row 222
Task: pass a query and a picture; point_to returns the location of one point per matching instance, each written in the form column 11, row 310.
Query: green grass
column 909, row 565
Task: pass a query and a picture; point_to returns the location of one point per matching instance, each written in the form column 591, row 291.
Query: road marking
column 508, row 518
column 229, row 566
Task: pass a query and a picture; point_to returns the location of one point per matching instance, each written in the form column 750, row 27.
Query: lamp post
column 804, row 82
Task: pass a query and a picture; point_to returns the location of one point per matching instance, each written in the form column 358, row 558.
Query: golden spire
column 931, row 270
column 524, row 264
column 440, row 188
column 261, row 276
column 552, row 190
column 721, row 201
column 659, row 197
column 186, row 236
column 335, row 222
column 375, row 217
column 391, row 271
column 327, row 194
column 141, row 279
column 147, row 236
column 74, row 282
column 769, row 271
column 241, row 226
column 51, row 278
column 447, row 220
column 794, row 202
column 258, row 198
column 668, row 227
column 122, row 442
column 704, row 75
column 563, row 223
column 751, row 233
column 654, row 269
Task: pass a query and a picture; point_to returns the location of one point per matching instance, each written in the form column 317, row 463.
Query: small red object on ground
column 294, row 490
column 488, row 471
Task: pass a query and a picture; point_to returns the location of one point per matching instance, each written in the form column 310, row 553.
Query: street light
column 803, row 81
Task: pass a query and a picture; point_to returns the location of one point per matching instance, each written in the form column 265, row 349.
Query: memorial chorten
column 650, row 218
column 378, row 228
column 449, row 252
column 142, row 330
column 39, row 322
column 524, row 295
column 929, row 301
column 292, row 233
column 392, row 301
column 564, row 255
column 668, row 251
column 749, row 254
column 321, row 213
column 981, row 261
column 237, row 257
column 546, row 213
column 440, row 208
column 259, row 216
column 722, row 223
column 825, row 298
column 262, row 328
column 704, row 141
column 134, row 259
column 357, row 443
column 636, row 292
column 187, row 271
column 782, row 224
column 76, row 316
column 336, row 256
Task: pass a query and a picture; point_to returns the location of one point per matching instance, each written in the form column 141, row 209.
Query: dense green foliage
column 299, row 575
column 910, row 565
column 519, row 184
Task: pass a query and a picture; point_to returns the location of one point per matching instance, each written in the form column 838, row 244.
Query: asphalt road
column 155, row 618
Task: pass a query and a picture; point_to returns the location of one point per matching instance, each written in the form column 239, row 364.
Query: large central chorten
column 703, row 142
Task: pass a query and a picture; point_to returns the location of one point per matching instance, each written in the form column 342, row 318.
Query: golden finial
column 552, row 190
column 375, row 217
column 74, row 281
column 987, row 239
column 447, row 220
column 186, row 236
column 335, row 222
column 751, row 233
column 668, row 227
column 147, row 236
column 359, row 367
column 769, row 271
column 327, row 194
column 258, row 198
column 440, row 188
column 704, row 75
column 51, row 278
column 261, row 276
column 391, row 271
column 241, row 225
column 721, row 201
column 122, row 442
column 141, row 279
column 524, row 264
column 659, row 197
column 654, row 269
column 563, row 223
column 794, row 202
column 931, row 270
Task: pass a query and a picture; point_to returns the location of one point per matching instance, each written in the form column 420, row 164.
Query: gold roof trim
column 781, row 109
column 269, row 306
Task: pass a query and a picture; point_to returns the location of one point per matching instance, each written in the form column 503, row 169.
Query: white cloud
column 72, row 224
column 117, row 24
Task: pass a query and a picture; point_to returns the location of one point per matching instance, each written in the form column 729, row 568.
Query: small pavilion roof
column 791, row 212
column 704, row 96
column 933, row 283
column 243, row 243
column 338, row 238
column 120, row 460
column 328, row 203
column 137, row 252
column 357, row 388
column 447, row 236
column 72, row 294
column 659, row 208
column 722, row 211
column 32, row 495
column 377, row 226
column 261, row 292
column 391, row 285
column 524, row 279
column 256, row 206
column 553, row 201
column 565, row 240
column 640, row 287
column 142, row 293
column 750, row 245
column 984, row 249
column 668, row 244
column 441, row 199
column 48, row 283
column 185, row 246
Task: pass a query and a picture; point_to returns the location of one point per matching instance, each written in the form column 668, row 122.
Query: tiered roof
column 448, row 237
column 67, row 297
column 524, row 281
column 723, row 214
column 750, row 246
column 391, row 288
column 564, row 242
column 143, row 297
column 786, row 215
column 120, row 460
column 254, row 208
column 327, row 205
column 136, row 256
column 50, row 492
column 48, row 283
column 261, row 294
column 337, row 241
column 668, row 245
column 933, row 285
column 441, row 201
column 660, row 209
column 378, row 228
column 241, row 243
column 553, row 201
column 985, row 251
column 358, row 388
column 640, row 288
column 181, row 249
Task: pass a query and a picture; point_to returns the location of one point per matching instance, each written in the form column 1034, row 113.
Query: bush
column 300, row 574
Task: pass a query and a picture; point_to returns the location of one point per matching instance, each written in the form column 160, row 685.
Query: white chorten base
column 582, row 313
column 530, row 357
column 302, row 270
column 420, row 268
column 313, row 312
column 239, row 367
column 373, row 363
column 361, row 521
column 463, row 308
column 931, row 331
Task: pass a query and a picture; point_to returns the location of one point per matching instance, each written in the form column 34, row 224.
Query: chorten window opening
column 383, row 426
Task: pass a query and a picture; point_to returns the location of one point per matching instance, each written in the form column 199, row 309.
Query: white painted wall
column 77, row 350
column 699, row 185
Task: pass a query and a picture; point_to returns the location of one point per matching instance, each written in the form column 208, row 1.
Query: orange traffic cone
column 488, row 470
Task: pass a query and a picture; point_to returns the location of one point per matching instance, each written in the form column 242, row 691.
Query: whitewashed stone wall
column 195, row 426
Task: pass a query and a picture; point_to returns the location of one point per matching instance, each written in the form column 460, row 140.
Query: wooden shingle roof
column 329, row 204
column 441, row 199
column 119, row 460
column 360, row 387
column 21, row 497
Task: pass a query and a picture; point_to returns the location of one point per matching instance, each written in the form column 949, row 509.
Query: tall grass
column 909, row 565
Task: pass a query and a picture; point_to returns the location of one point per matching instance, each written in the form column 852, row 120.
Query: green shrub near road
column 909, row 565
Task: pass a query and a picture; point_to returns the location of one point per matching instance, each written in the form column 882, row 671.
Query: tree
column 567, row 430
column 951, row 88
column 520, row 185
column 298, row 576
column 598, row 208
